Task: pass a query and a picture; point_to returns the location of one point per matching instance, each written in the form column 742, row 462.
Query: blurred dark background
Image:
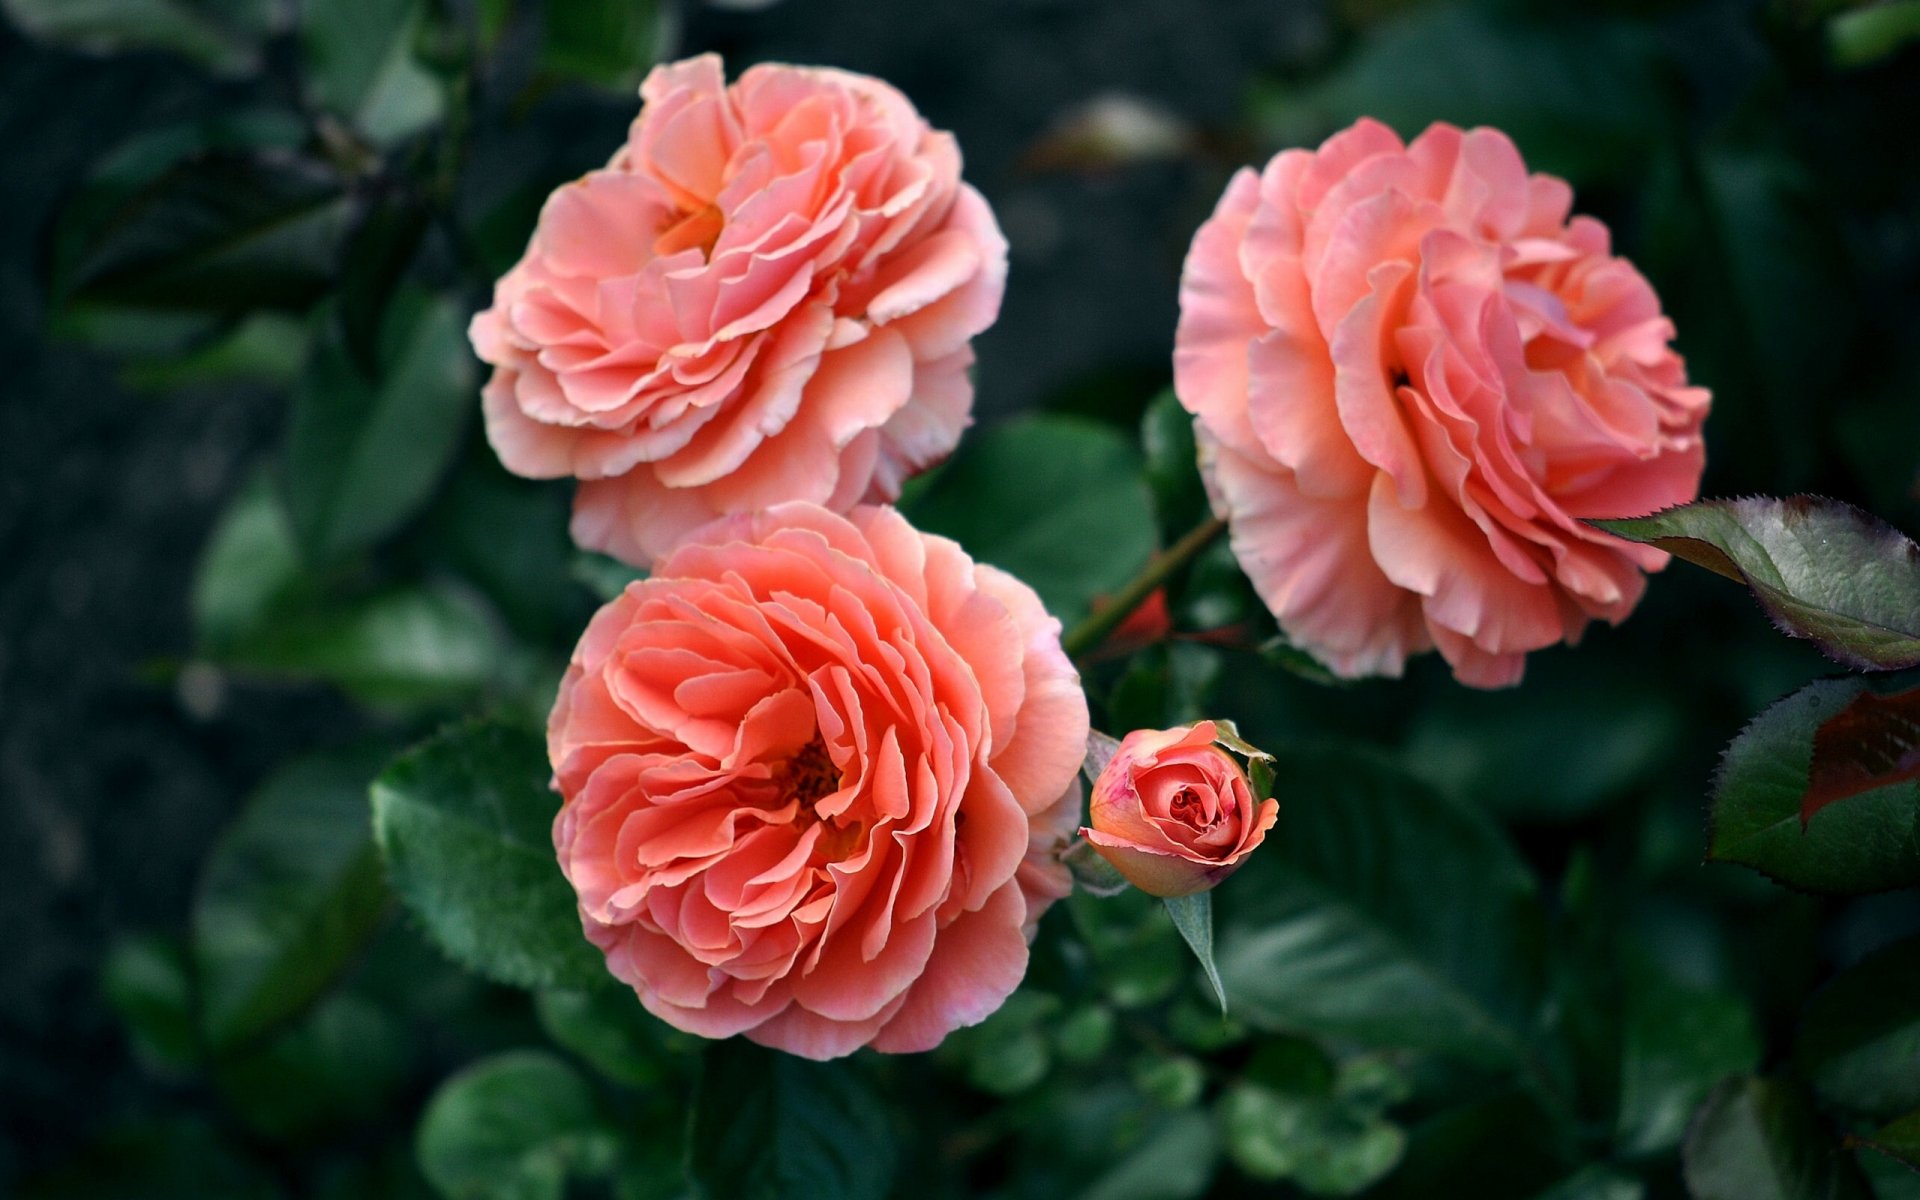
column 1759, row 161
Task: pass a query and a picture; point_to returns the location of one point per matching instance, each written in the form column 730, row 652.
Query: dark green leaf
column 1898, row 1140
column 1595, row 1183
column 363, row 454
column 609, row 1030
column 1501, row 1145
column 606, row 42
column 605, row 577
column 465, row 822
column 1869, row 843
column 334, row 1068
column 1175, row 1161
column 224, row 35
column 1758, row 1139
column 250, row 563
column 1166, row 437
column 264, row 349
column 1822, row 570
column 1193, row 917
column 1677, row 1043
column 1333, row 927
column 221, row 232
column 400, row 646
column 147, row 983
column 1324, row 1146
column 1056, row 501
column 1581, row 97
column 516, row 1126
column 767, row 1126
column 174, row 1158
column 1873, row 32
column 1871, row 743
column 1859, row 1042
column 290, row 893
column 361, row 65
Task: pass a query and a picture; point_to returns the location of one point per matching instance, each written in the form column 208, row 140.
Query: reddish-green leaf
column 1823, row 570
column 1872, row 742
column 1899, row 1140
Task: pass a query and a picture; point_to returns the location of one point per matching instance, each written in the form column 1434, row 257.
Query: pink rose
column 816, row 771
column 766, row 295
column 1413, row 375
column 1174, row 813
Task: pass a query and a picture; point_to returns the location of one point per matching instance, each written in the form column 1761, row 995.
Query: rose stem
column 1090, row 632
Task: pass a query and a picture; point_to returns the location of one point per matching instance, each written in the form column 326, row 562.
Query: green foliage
column 223, row 35
column 517, row 1126
column 290, row 893
column 1822, row 570
column 464, row 823
column 363, row 453
column 607, row 1028
column 1758, row 1139
column 1193, row 917
column 609, row 43
column 1865, row 843
column 147, row 981
column 1023, row 495
column 1677, row 1042
column 767, row 1126
column 221, row 232
column 361, row 65
column 1859, row 1041
column 1329, row 928
column 1579, row 96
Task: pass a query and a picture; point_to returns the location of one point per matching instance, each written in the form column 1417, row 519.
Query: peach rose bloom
column 766, row 295
column 816, row 773
column 1413, row 376
column 1174, row 813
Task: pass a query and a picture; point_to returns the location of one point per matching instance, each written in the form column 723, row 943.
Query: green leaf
column 291, row 892
column 1172, row 471
column 1869, row 843
column 147, row 982
column 1193, row 917
column 1677, row 1043
column 360, row 64
column 1873, row 32
column 1325, row 1147
column 1058, row 502
column 400, row 646
column 465, row 823
column 222, row 35
column 609, row 1030
column 767, row 1126
column 1871, row 743
column 220, row 232
column 1823, row 570
column 1581, row 97
column 363, row 454
column 605, row 577
column 517, row 1126
column 610, row 43
column 1175, row 1161
column 170, row 1158
column 332, row 1069
column 1758, row 1139
column 1859, row 1042
column 1898, row 1140
column 1333, row 928
column 250, row 562
column 1595, row 1183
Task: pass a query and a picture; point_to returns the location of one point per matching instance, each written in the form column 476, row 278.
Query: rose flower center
column 811, row 776
column 694, row 231
column 1188, row 808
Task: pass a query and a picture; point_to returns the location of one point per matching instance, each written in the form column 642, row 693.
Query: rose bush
column 1174, row 813
column 1413, row 375
column 766, row 295
column 815, row 770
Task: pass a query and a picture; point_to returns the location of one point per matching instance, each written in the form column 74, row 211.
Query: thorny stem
column 1089, row 633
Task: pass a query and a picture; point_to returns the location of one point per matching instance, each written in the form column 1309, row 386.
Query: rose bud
column 1174, row 813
